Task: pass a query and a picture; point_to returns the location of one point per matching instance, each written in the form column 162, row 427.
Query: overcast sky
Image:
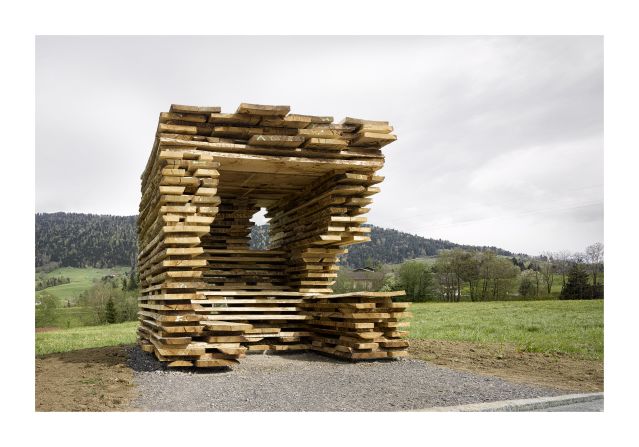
column 500, row 139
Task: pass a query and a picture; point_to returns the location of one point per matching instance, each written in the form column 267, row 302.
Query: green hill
column 387, row 246
column 81, row 279
column 84, row 240
column 104, row 241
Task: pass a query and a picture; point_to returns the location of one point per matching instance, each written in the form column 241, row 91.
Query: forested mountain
column 79, row 240
column 393, row 247
column 387, row 246
column 84, row 240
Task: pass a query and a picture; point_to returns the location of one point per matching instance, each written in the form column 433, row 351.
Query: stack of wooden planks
column 318, row 225
column 358, row 325
column 207, row 297
column 275, row 317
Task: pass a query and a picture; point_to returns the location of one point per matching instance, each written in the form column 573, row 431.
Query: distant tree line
column 457, row 274
column 48, row 267
column 43, row 283
column 460, row 274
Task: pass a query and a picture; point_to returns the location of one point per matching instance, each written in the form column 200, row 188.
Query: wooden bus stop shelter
column 207, row 297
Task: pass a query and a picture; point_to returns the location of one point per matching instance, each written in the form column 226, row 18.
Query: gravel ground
column 310, row 382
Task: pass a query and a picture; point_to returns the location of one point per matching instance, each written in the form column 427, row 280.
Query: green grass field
column 81, row 280
column 71, row 317
column 570, row 327
column 86, row 337
column 68, row 313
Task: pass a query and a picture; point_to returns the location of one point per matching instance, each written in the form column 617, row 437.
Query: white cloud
column 491, row 129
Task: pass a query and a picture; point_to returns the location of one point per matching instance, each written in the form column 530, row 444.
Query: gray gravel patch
column 311, row 382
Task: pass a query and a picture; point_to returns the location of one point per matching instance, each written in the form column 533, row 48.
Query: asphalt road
column 592, row 406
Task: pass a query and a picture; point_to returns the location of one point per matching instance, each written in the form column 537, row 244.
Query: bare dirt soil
column 86, row 380
column 505, row 361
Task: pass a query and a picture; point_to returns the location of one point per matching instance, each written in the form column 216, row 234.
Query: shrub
column 110, row 313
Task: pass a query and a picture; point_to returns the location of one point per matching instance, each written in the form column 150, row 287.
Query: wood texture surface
column 206, row 297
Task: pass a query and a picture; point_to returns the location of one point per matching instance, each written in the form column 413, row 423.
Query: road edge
column 538, row 403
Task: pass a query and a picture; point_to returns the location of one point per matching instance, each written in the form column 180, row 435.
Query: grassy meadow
column 86, row 337
column 569, row 327
column 69, row 311
column 81, row 280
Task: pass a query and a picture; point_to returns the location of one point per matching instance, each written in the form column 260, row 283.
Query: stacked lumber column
column 207, row 297
column 319, row 224
column 179, row 203
column 358, row 325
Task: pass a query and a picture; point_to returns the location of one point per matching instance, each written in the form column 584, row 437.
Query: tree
column 454, row 268
column 563, row 260
column 535, row 276
column 488, row 276
column 577, row 287
column 127, row 308
column 97, row 298
column 486, row 273
column 519, row 263
column 133, row 279
column 390, row 284
column 594, row 257
column 547, row 271
column 416, row 279
column 46, row 311
column 504, row 278
column 465, row 265
column 110, row 313
column 446, row 277
column 577, row 257
column 527, row 284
